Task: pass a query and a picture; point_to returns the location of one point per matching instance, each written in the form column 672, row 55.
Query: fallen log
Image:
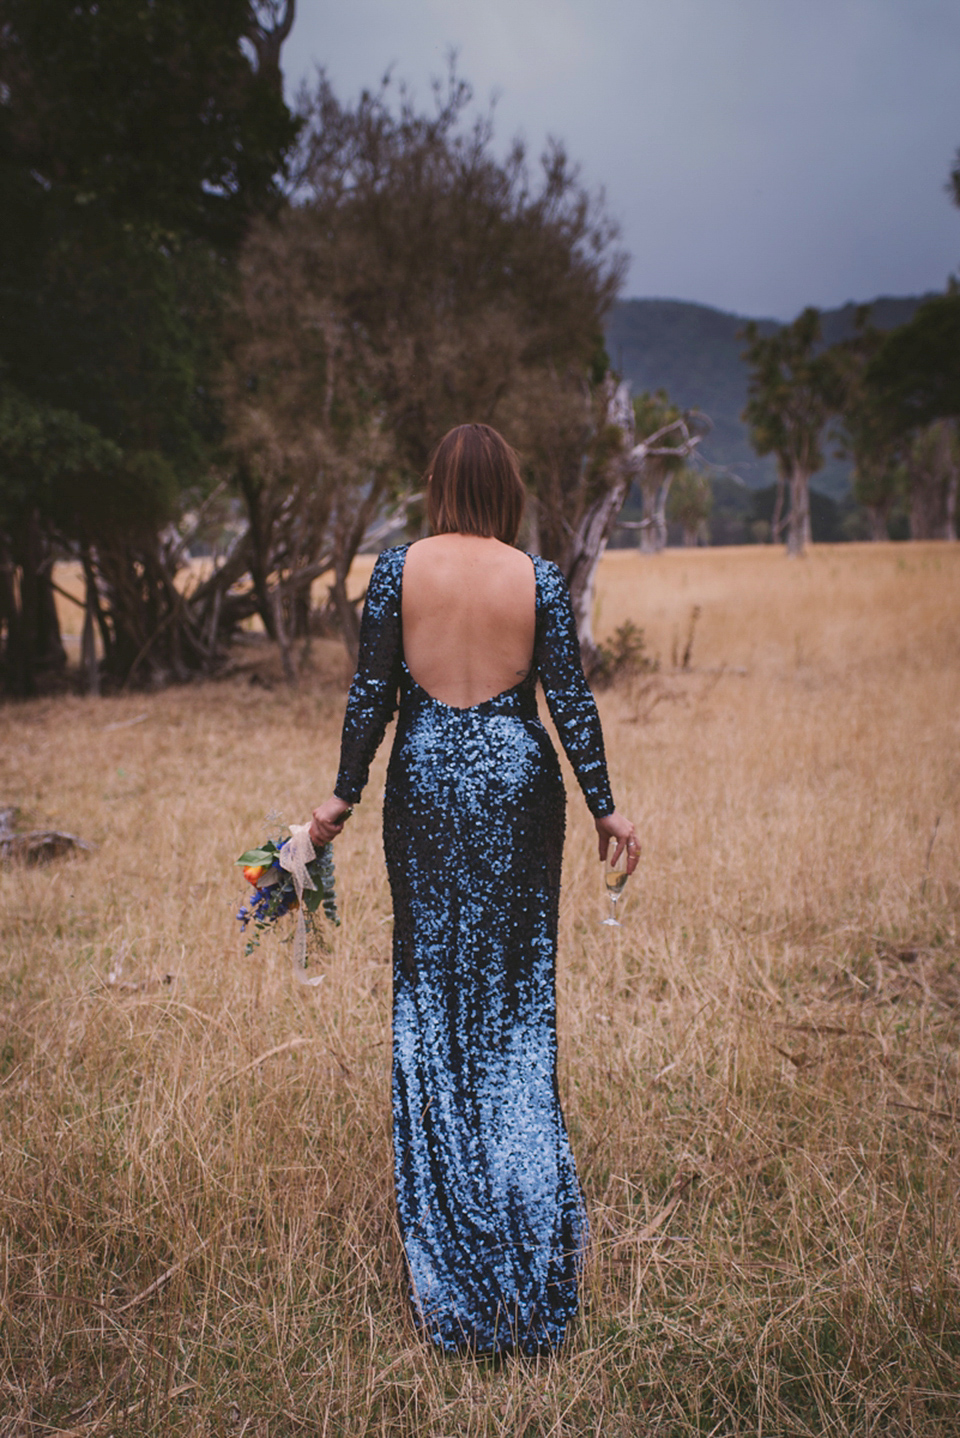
column 36, row 846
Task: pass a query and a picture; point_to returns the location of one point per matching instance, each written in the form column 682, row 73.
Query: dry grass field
column 760, row 1071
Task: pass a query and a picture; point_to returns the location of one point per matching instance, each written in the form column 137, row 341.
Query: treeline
column 889, row 400
column 137, row 144
column 232, row 332
column 886, row 401
column 237, row 330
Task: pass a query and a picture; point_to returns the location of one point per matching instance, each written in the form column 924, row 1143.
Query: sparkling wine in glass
column 614, row 876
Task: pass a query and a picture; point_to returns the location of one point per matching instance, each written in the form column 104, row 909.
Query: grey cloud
column 760, row 154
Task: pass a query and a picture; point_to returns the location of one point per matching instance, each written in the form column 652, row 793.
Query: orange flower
column 253, row 872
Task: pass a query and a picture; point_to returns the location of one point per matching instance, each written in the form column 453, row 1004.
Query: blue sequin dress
column 490, row 1208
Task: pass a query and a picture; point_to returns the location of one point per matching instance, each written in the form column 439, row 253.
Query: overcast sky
column 760, row 155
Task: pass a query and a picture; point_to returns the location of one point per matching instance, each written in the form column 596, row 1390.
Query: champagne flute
column 614, row 876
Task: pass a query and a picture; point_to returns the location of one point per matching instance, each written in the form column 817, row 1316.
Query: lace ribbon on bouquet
column 294, row 857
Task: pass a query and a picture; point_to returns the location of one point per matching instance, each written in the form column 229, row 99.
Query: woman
column 462, row 625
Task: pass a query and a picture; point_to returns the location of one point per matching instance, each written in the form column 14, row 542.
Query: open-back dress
column 490, row 1208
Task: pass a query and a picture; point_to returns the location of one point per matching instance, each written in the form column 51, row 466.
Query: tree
column 136, row 142
column 305, row 427
column 914, row 382
column 915, row 373
column 45, row 455
column 792, row 391
column 417, row 282
column 865, row 433
column 611, row 459
column 671, row 435
column 690, row 503
column 953, row 184
column 932, row 469
column 149, row 114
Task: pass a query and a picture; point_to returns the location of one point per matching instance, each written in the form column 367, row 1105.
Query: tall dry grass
column 760, row 1070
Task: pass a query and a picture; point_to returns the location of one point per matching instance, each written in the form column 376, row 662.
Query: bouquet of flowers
column 288, row 875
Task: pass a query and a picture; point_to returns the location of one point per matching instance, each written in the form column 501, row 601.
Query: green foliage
column 789, row 393
column 690, row 500
column 463, row 272
column 830, row 522
column 915, row 375
column 278, row 884
column 900, row 403
column 794, row 388
column 879, row 486
column 136, row 142
column 623, row 656
column 151, row 115
column 417, row 281
column 652, row 412
column 270, row 848
column 695, row 353
column 932, row 467
column 45, row 455
column 864, row 431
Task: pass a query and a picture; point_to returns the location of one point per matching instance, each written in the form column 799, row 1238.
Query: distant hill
column 692, row 351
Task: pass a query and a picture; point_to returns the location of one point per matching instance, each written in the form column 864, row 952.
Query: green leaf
column 256, row 856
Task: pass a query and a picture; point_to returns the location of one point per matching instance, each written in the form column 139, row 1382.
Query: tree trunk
column 346, row 612
column 648, row 535
column 13, row 657
column 660, row 512
column 89, row 667
column 349, row 529
column 28, row 564
column 948, row 465
column 267, row 40
column 921, row 524
column 282, row 636
column 778, row 509
column 950, row 525
column 28, row 605
column 589, row 543
column 93, row 600
column 51, row 654
column 533, row 525
column 877, row 516
column 259, row 548
column 798, row 530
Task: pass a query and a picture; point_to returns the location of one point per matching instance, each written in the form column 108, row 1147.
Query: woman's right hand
column 328, row 820
column 615, row 826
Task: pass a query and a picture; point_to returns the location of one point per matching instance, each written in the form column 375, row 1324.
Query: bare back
column 469, row 617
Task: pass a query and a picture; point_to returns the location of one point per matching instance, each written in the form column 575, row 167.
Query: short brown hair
column 474, row 485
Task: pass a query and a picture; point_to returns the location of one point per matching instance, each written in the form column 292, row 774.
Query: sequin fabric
column 490, row 1208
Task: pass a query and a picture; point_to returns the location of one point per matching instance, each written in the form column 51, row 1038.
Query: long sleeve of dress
column 572, row 706
column 373, row 693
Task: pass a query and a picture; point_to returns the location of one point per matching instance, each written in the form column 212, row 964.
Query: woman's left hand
column 615, row 826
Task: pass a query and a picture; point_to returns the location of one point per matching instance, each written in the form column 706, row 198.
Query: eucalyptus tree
column 690, row 503
column 864, row 431
column 932, row 468
column 670, row 436
column 792, row 393
column 137, row 143
column 913, row 380
column 915, row 372
column 598, row 467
